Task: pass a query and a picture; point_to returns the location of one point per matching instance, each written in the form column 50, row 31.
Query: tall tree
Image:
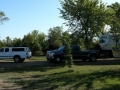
column 28, row 41
column 8, row 41
column 115, row 20
column 115, row 17
column 39, row 37
column 85, row 18
column 17, row 42
column 67, row 43
column 35, row 41
column 54, row 37
column 3, row 17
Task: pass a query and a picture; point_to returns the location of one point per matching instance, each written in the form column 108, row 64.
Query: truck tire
column 57, row 59
column 17, row 59
column 92, row 58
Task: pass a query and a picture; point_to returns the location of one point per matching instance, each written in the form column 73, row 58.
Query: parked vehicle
column 107, row 42
column 58, row 55
column 19, row 54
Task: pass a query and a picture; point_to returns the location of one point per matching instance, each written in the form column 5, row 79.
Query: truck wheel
column 92, row 58
column 57, row 59
column 17, row 59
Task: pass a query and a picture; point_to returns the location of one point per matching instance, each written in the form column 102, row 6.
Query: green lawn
column 57, row 77
column 40, row 58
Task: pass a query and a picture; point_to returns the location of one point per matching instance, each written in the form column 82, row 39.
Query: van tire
column 17, row 59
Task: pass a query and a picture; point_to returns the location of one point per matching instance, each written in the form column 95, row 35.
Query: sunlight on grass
column 41, row 58
column 57, row 77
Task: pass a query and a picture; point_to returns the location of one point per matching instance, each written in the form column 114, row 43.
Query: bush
column 38, row 53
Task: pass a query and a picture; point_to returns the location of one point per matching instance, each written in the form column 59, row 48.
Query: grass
column 40, row 58
column 57, row 77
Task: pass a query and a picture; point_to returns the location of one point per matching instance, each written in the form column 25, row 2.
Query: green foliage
column 54, row 37
column 8, row 41
column 86, row 18
column 66, row 42
column 115, row 17
column 35, row 41
column 17, row 42
column 3, row 17
column 38, row 53
column 115, row 22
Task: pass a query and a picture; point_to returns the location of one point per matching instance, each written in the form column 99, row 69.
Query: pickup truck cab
column 58, row 55
column 18, row 54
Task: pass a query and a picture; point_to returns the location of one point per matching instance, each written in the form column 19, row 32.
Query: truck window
column 75, row 48
column 61, row 48
column 6, row 49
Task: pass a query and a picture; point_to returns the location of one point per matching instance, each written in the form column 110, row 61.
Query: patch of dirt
column 9, row 86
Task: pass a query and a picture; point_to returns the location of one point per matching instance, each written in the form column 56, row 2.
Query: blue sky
column 28, row 15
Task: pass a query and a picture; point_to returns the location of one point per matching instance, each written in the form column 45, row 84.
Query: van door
column 4, row 53
column 1, row 53
column 7, row 53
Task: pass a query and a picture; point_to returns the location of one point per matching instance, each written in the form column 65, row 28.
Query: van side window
column 17, row 49
column 6, row 49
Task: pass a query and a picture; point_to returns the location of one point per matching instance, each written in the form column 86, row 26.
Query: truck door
column 76, row 52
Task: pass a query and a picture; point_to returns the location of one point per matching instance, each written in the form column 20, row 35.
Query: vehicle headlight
column 51, row 54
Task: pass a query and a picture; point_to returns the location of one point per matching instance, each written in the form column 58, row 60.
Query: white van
column 19, row 54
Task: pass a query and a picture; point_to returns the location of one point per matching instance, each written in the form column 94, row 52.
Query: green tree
column 2, row 44
column 39, row 37
column 17, row 42
column 43, row 42
column 86, row 18
column 35, row 41
column 67, row 44
column 7, row 41
column 28, row 41
column 3, row 17
column 115, row 20
column 54, row 37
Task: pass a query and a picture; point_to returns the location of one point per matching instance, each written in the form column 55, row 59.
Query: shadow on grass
column 20, row 67
column 64, row 80
column 73, row 80
column 99, row 62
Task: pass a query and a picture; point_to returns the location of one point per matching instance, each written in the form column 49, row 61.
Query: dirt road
column 8, row 63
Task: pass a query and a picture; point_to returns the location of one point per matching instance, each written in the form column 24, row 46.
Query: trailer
column 107, row 42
